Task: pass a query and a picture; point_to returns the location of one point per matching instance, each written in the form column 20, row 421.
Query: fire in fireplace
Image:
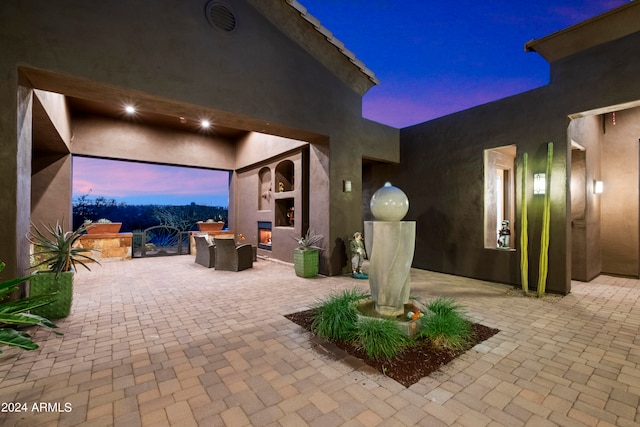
column 264, row 235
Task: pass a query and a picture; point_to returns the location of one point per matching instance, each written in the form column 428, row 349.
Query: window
column 499, row 192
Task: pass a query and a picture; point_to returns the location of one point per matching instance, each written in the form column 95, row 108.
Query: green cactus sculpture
column 546, row 214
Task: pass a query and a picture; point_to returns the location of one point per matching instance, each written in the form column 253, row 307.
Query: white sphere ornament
column 389, row 203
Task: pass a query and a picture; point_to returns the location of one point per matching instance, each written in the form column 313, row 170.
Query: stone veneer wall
column 106, row 246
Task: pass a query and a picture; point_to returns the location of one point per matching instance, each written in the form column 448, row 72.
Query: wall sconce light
column 598, row 186
column 346, row 186
column 539, row 183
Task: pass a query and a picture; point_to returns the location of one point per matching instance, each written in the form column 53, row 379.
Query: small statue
column 356, row 244
column 281, row 187
column 504, row 234
column 267, row 194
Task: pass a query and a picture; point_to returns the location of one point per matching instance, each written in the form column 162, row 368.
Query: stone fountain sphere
column 389, row 203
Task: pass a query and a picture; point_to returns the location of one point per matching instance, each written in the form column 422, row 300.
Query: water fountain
column 390, row 244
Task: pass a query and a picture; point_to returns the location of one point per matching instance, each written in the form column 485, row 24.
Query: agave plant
column 308, row 241
column 55, row 248
column 15, row 313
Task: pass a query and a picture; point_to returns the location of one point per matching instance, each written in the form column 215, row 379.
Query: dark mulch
column 414, row 363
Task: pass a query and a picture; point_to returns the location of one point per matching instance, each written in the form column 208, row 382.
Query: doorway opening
column 605, row 192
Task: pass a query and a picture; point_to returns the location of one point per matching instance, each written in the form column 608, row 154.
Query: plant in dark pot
column 56, row 251
column 306, row 256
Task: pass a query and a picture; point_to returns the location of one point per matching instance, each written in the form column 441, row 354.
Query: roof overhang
column 293, row 19
column 609, row 26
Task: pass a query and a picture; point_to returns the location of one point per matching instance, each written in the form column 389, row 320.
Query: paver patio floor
column 164, row 341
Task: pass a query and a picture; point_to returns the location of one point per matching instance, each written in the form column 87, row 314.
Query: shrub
column 336, row 317
column 442, row 305
column 445, row 324
column 380, row 338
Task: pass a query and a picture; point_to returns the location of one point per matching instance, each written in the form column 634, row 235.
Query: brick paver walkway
column 165, row 341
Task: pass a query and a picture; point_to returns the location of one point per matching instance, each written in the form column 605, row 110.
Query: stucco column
column 15, row 174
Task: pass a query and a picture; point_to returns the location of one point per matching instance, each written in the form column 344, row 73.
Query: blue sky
column 432, row 58
column 437, row 57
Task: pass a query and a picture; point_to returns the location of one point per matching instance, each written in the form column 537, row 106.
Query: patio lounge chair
column 205, row 252
column 230, row 257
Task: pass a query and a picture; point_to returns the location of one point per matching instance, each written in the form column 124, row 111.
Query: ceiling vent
column 221, row 17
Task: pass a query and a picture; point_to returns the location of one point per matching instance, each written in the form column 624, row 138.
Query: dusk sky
column 142, row 184
column 432, row 58
column 438, row 57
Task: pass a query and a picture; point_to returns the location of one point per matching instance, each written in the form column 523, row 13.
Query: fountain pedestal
column 390, row 246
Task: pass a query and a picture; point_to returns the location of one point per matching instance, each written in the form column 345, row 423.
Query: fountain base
column 409, row 327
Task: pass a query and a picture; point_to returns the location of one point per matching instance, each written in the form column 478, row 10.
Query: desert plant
column 55, row 249
column 103, row 221
column 14, row 314
column 445, row 324
column 336, row 317
column 380, row 338
column 308, row 241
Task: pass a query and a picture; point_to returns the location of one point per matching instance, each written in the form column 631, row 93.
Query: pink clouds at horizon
column 432, row 100
column 119, row 179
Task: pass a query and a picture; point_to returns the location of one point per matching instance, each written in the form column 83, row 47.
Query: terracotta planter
column 104, row 228
column 43, row 283
column 210, row 226
column 306, row 262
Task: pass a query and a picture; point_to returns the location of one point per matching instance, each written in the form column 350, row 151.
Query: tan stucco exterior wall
column 256, row 79
column 621, row 195
column 586, row 261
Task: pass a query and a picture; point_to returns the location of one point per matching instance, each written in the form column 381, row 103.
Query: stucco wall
column 585, row 205
column 251, row 210
column 442, row 172
column 257, row 78
column 117, row 139
column 620, row 198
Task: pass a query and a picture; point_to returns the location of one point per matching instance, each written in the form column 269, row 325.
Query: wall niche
column 284, row 176
column 265, row 189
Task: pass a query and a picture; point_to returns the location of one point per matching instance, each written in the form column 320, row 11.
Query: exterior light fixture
column 130, row 109
column 598, row 186
column 539, row 183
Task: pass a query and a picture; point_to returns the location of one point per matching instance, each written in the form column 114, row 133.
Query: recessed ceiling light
column 130, row 109
column 205, row 123
column 182, row 119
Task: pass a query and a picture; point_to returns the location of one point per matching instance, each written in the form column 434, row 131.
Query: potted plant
column 14, row 314
column 306, row 256
column 55, row 250
column 102, row 226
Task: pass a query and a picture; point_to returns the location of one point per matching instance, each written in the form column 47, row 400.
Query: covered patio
column 168, row 342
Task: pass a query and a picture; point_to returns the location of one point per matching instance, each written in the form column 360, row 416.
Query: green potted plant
column 102, row 226
column 14, row 314
column 54, row 249
column 306, row 256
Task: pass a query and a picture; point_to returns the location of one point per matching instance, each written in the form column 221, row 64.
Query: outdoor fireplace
column 264, row 235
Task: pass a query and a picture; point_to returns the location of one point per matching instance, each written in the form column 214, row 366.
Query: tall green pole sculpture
column 546, row 214
column 524, row 233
